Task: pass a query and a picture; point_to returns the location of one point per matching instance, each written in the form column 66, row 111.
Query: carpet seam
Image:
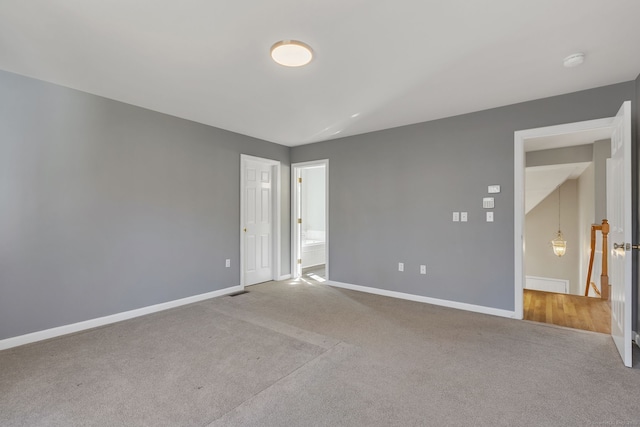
column 274, row 383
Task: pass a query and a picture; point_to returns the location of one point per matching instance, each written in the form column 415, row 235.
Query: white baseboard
column 428, row 300
column 284, row 277
column 636, row 338
column 101, row 321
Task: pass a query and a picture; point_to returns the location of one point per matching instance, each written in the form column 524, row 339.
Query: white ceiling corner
column 540, row 181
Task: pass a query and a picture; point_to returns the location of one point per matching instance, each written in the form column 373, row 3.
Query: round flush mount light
column 574, row 60
column 291, row 53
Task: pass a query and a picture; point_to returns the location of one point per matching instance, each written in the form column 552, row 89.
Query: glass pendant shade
column 559, row 244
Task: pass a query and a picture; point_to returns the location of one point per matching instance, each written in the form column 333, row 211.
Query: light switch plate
column 488, row 202
column 493, row 189
column 456, row 216
column 423, row 269
column 489, row 216
column 401, row 266
column 463, row 216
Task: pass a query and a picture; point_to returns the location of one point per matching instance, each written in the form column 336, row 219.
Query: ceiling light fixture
column 291, row 53
column 574, row 60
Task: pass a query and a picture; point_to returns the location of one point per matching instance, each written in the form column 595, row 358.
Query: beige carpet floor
column 300, row 353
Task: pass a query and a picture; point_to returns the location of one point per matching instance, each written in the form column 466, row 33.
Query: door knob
column 623, row 246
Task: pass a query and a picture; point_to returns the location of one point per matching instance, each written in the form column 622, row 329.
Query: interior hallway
column 298, row 352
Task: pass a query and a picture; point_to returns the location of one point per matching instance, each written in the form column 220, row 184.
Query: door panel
column 257, row 223
column 619, row 216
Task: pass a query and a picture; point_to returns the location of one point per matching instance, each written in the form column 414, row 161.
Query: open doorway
column 310, row 220
column 565, row 196
column 619, row 213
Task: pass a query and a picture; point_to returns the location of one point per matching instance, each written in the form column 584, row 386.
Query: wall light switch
column 401, row 266
column 489, row 216
column 463, row 216
column 488, row 202
column 456, row 216
column 493, row 189
column 227, row 263
column 423, row 269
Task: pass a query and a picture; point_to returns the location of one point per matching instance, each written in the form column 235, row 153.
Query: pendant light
column 559, row 244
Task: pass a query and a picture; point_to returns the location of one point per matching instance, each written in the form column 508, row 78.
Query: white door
column 297, row 264
column 257, row 222
column 619, row 216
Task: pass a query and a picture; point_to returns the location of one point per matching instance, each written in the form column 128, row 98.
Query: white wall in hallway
column 541, row 224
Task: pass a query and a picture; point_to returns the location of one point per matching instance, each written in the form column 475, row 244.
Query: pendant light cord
column 559, row 208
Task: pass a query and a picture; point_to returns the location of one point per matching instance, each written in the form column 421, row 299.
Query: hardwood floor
column 572, row 311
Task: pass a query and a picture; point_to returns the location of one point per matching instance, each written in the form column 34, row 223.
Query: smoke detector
column 574, row 60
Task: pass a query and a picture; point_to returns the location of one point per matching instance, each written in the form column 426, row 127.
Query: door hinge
column 299, row 220
column 299, row 261
column 299, row 180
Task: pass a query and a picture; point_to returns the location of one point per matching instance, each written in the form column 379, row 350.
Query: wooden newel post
column 604, row 277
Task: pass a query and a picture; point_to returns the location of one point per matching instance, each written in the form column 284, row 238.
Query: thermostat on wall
column 488, row 203
column 493, row 189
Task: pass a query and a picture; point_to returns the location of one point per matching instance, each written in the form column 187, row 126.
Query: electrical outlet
column 489, row 216
column 463, row 216
column 227, row 263
column 456, row 216
column 401, row 266
column 423, row 269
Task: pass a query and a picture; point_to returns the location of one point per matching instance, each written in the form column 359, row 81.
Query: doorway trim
column 275, row 211
column 518, row 189
column 295, row 238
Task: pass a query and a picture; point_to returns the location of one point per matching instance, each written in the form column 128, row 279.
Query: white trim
column 284, row 277
column 275, row 226
column 519, row 158
column 418, row 298
column 636, row 338
column 295, row 168
column 106, row 320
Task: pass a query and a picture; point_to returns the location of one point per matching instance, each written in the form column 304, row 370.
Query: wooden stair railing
column 604, row 277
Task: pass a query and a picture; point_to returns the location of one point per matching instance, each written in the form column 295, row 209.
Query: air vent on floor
column 235, row 294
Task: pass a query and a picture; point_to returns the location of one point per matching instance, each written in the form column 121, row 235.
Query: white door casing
column 520, row 137
column 297, row 223
column 259, row 220
column 618, row 212
column 619, row 216
column 296, row 213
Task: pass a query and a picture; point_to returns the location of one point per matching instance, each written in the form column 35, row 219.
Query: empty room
column 319, row 213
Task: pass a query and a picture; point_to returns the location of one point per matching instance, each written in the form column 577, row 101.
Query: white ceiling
column 378, row 64
column 540, row 181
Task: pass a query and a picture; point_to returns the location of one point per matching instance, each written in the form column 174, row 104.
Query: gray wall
column 391, row 194
column 106, row 207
